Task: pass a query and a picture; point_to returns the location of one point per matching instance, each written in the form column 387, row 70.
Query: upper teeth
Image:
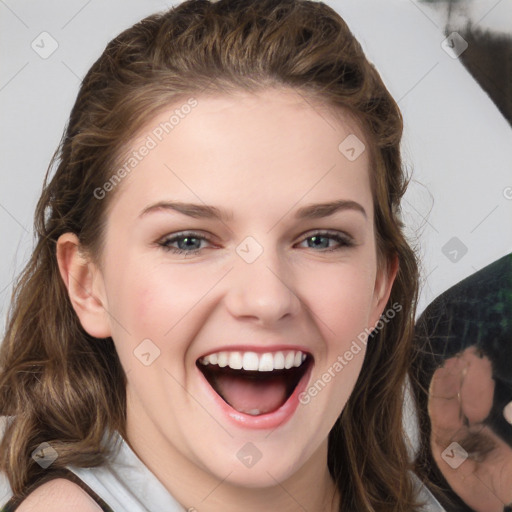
column 265, row 362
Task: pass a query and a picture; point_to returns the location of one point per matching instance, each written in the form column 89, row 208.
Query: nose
column 262, row 290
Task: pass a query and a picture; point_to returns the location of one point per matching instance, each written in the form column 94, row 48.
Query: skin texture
column 461, row 396
column 261, row 156
column 59, row 495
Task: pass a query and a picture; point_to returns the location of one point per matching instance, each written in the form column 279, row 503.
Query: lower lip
column 271, row 420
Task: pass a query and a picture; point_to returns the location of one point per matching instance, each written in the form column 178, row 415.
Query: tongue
column 252, row 396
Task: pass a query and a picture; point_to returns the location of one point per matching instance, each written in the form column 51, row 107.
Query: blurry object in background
column 489, row 60
column 489, row 54
column 464, row 389
column 475, row 461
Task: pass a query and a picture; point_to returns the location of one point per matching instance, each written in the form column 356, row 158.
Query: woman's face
column 237, row 307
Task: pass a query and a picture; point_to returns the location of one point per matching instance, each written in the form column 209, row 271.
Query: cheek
column 150, row 300
column 342, row 299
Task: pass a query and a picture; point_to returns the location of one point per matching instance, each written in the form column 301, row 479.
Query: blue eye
column 185, row 241
column 190, row 242
column 342, row 240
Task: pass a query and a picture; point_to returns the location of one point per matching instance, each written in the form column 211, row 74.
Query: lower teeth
column 220, row 380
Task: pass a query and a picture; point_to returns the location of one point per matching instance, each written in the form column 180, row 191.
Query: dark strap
column 15, row 501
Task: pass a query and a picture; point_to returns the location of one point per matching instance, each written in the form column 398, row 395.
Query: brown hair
column 67, row 388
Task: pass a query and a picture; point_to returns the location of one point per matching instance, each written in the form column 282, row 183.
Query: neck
column 310, row 488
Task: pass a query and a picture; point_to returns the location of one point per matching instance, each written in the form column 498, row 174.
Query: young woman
column 219, row 309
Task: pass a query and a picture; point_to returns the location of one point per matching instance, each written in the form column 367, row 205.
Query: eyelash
column 343, row 240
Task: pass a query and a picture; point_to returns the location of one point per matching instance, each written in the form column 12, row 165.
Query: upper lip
column 259, row 349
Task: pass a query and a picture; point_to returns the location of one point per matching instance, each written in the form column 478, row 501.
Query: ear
column 386, row 274
column 85, row 286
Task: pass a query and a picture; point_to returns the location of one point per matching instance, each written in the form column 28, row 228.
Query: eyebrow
column 318, row 211
column 203, row 211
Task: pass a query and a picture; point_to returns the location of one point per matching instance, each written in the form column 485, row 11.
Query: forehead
column 276, row 143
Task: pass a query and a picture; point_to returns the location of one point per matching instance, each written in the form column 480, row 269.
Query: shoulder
column 59, row 495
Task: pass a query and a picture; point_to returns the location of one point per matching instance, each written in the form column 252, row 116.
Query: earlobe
column 84, row 284
column 383, row 285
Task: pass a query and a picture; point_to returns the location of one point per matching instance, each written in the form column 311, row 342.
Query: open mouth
column 252, row 383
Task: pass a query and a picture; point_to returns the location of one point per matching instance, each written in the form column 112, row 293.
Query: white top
column 127, row 485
